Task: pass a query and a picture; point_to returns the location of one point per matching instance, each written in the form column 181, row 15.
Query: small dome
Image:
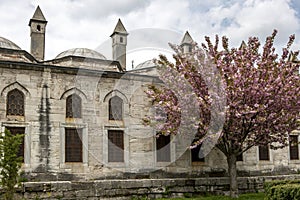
column 81, row 52
column 146, row 64
column 7, row 44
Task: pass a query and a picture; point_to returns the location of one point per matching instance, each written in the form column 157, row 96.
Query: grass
column 254, row 196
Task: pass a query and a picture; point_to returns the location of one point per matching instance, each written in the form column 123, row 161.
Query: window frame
column 85, row 145
column 9, row 103
column 70, row 105
column 196, row 151
column 27, row 139
column 68, row 132
column 119, row 116
column 261, row 156
column 294, row 148
column 115, row 149
column 160, row 148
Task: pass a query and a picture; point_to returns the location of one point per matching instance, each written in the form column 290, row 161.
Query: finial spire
column 119, row 28
column 187, row 39
column 186, row 43
column 38, row 16
column 119, row 42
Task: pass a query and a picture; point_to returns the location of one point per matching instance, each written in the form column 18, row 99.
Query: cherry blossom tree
column 237, row 98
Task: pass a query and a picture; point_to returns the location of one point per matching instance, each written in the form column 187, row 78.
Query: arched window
column 15, row 103
column 73, row 106
column 115, row 108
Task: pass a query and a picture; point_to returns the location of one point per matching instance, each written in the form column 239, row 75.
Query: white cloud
column 89, row 23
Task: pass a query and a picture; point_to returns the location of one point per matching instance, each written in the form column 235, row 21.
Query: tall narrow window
column 163, row 148
column 264, row 152
column 15, row 103
column 15, row 131
column 115, row 108
column 196, row 154
column 73, row 106
column 115, row 146
column 73, row 145
column 294, row 151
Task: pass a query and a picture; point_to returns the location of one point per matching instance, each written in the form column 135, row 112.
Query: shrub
column 282, row 191
column 270, row 184
column 10, row 163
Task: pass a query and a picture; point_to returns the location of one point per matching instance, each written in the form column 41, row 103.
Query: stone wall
column 133, row 188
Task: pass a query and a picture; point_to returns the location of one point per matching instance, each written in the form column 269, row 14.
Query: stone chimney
column 37, row 33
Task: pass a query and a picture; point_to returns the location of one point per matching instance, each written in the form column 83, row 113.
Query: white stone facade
column 47, row 84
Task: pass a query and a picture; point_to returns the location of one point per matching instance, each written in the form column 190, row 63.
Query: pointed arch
column 15, row 103
column 12, row 86
column 115, row 108
column 73, row 106
column 76, row 91
column 112, row 93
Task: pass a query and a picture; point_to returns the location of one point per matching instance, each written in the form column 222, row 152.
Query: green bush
column 269, row 184
column 10, row 163
column 281, row 191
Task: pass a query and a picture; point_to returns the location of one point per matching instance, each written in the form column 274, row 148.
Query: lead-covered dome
column 146, row 64
column 81, row 52
column 7, row 44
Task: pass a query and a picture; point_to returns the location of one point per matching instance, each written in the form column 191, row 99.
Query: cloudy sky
column 151, row 23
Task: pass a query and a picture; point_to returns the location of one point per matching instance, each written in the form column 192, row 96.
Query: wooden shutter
column 73, row 145
column 294, row 151
column 115, row 146
column 163, row 148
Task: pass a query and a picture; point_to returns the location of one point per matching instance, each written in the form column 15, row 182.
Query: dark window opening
column 294, row 151
column 73, row 145
column 15, row 103
column 163, row 149
column 38, row 27
column 121, row 39
column 264, row 152
column 190, row 49
column 73, row 106
column 115, row 146
column 239, row 157
column 196, row 153
column 115, row 108
column 15, row 131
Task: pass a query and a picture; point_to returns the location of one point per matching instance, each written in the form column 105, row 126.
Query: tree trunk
column 231, row 161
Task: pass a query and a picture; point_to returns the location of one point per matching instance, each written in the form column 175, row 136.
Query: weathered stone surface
column 154, row 188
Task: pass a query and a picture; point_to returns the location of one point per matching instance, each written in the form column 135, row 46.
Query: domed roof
column 81, row 52
column 146, row 64
column 7, row 44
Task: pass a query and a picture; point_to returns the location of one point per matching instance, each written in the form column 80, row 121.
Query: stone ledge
column 126, row 189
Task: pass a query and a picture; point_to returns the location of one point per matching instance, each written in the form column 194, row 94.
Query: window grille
column 73, row 106
column 73, row 145
column 115, row 146
column 294, row 151
column 15, row 103
column 264, row 152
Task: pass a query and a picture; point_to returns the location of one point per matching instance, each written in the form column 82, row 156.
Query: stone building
column 81, row 115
